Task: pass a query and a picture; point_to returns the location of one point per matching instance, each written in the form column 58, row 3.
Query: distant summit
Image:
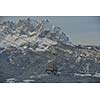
column 27, row 27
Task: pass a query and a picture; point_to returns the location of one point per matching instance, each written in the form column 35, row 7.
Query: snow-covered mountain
column 37, row 51
column 27, row 31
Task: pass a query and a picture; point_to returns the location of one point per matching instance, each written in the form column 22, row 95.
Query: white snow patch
column 32, row 33
column 44, row 43
column 28, row 80
column 2, row 51
column 59, row 73
column 97, row 75
column 25, row 47
column 50, row 60
column 78, row 59
column 89, row 47
column 39, row 76
column 83, row 75
column 11, row 80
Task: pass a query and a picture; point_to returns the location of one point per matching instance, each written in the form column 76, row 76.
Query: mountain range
column 38, row 51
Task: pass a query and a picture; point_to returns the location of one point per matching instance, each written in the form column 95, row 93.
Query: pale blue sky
column 81, row 30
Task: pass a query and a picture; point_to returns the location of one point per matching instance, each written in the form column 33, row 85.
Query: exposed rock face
column 28, row 48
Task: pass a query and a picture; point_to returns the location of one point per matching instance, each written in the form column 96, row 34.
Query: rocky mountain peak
column 31, row 31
